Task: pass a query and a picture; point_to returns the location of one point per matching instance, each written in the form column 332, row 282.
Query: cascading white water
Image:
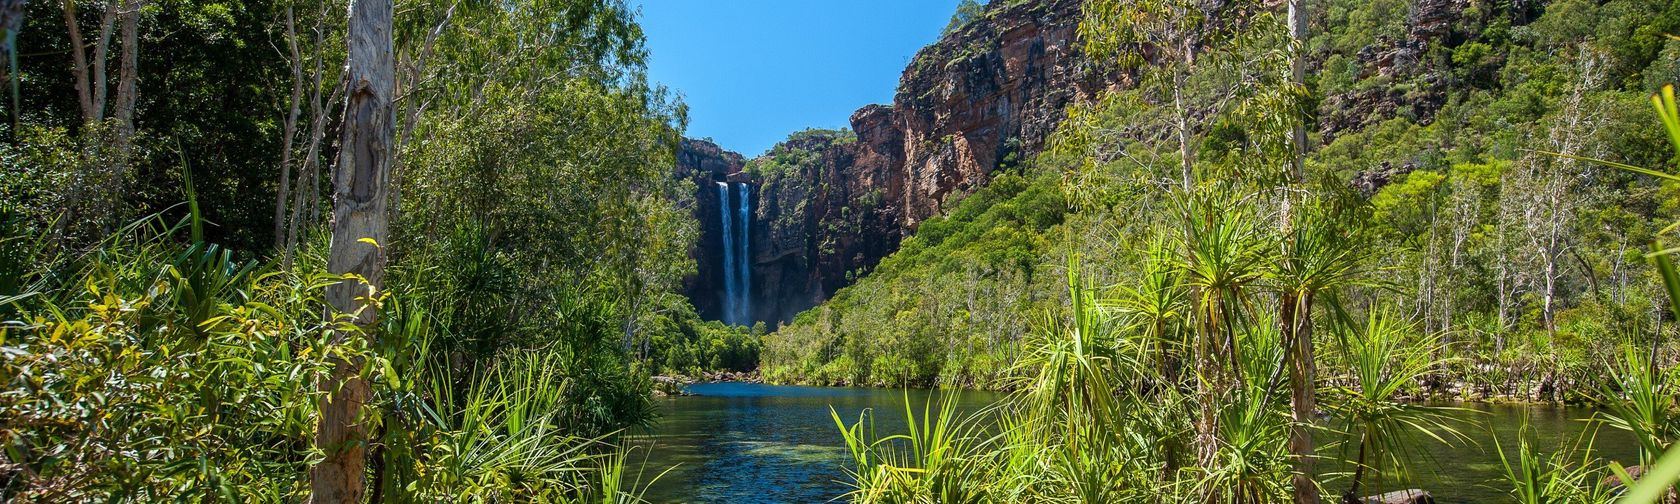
column 743, row 256
column 728, row 253
column 737, row 277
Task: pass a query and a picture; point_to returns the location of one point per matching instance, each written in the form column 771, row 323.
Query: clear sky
column 753, row 71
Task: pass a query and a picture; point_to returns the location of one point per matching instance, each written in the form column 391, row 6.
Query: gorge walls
column 828, row 205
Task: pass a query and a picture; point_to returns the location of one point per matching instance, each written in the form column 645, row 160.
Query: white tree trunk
column 360, row 187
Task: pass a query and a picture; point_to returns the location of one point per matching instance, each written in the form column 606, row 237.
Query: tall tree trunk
column 1303, row 400
column 88, row 201
column 1298, row 317
column 1186, row 153
column 360, row 186
column 1298, row 77
column 101, row 57
column 290, row 131
column 128, row 90
column 128, row 72
column 1186, row 156
column 78, row 61
column 89, row 76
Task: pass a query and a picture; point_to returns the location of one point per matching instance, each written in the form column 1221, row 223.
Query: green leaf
column 1656, row 481
column 1671, row 279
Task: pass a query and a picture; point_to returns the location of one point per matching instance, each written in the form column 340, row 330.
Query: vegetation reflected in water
column 736, row 442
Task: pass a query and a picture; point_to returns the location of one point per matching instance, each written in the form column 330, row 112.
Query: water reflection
column 748, row 443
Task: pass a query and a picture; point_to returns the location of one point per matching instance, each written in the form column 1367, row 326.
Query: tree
column 1322, row 253
column 359, row 228
column 1170, row 37
column 293, row 108
column 967, row 11
column 11, row 21
column 1552, row 189
column 298, row 199
column 1296, row 307
column 106, row 161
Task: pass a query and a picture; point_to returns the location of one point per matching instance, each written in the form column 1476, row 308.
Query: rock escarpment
column 829, row 205
column 1401, row 59
column 703, row 164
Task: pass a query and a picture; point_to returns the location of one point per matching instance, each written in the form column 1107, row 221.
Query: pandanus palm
column 1154, row 310
column 1320, row 251
column 1072, row 374
column 1383, row 362
column 1252, row 460
column 1222, row 257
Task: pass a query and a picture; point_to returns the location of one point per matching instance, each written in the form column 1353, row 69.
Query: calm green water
column 748, row 443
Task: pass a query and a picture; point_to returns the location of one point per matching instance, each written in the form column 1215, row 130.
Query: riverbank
column 674, row 384
column 1546, row 391
column 735, row 442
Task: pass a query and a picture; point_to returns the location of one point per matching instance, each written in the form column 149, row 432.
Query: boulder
column 1614, row 482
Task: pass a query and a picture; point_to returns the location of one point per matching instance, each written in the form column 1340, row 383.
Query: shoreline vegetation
column 428, row 251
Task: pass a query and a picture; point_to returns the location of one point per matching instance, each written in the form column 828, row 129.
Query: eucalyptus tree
column 1553, row 190
column 361, row 186
column 1169, row 41
column 106, row 121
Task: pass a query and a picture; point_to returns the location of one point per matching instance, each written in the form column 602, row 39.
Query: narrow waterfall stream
column 743, row 256
column 737, row 275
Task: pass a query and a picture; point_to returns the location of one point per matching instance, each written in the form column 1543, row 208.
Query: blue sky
column 753, row 71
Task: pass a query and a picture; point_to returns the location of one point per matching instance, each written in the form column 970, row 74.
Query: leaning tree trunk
column 290, row 132
column 360, row 184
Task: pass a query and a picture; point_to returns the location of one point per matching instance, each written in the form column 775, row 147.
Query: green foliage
column 683, row 344
column 1570, row 474
column 881, row 329
column 1455, row 231
column 939, row 460
column 537, row 243
column 198, row 363
column 207, row 367
column 967, row 12
column 798, row 154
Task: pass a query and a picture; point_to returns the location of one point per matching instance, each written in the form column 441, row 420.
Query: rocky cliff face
column 989, row 94
column 703, row 164
column 830, row 205
column 1430, row 23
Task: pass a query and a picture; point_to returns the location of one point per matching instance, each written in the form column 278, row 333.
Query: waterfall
column 737, row 274
column 729, row 287
column 743, row 257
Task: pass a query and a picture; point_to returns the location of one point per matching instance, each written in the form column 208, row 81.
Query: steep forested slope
column 1434, row 114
